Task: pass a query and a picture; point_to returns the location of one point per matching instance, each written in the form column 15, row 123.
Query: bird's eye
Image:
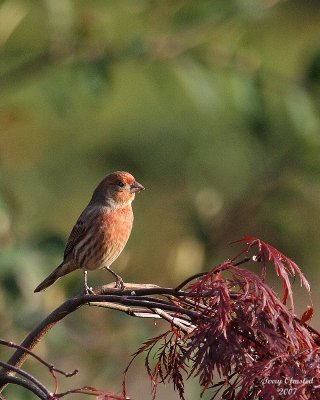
column 121, row 184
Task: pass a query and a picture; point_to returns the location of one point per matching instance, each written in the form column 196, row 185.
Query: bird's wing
column 76, row 234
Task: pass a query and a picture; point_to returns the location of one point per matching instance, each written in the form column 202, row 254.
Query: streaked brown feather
column 102, row 230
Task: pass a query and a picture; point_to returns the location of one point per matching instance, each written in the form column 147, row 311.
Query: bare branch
column 175, row 321
column 92, row 392
column 134, row 295
column 28, row 385
column 29, row 377
column 203, row 316
column 51, row 367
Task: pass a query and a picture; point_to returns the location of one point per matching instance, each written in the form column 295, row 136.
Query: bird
column 101, row 231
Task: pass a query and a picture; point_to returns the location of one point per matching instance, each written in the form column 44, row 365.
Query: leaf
column 243, row 333
column 283, row 265
column 307, row 315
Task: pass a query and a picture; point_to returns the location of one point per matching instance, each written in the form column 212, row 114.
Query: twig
column 134, row 289
column 128, row 297
column 132, row 311
column 173, row 320
column 29, row 377
column 92, row 392
column 18, row 358
column 200, row 274
column 28, row 385
column 45, row 363
column 140, row 302
column 191, row 278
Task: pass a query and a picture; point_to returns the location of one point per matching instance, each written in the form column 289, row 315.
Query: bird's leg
column 87, row 289
column 119, row 280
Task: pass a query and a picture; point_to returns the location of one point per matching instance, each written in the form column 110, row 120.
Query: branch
column 93, row 392
column 175, row 321
column 29, row 378
column 211, row 307
column 135, row 300
column 201, row 274
column 28, row 385
column 51, row 367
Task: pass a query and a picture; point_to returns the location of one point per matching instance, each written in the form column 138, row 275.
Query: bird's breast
column 110, row 236
column 116, row 226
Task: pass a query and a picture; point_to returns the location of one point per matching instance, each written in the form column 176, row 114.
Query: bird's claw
column 88, row 290
column 119, row 283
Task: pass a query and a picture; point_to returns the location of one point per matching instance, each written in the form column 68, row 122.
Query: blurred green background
column 213, row 105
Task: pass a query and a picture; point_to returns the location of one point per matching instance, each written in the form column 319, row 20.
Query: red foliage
column 283, row 265
column 244, row 343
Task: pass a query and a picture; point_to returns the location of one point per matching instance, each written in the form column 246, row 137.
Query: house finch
column 101, row 231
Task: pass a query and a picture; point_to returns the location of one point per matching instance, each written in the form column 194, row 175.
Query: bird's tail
column 61, row 270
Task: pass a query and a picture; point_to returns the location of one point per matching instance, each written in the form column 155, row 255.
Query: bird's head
column 118, row 188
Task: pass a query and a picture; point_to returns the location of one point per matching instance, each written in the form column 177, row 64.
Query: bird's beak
column 136, row 187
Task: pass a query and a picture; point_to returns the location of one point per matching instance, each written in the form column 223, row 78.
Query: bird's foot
column 88, row 290
column 119, row 283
